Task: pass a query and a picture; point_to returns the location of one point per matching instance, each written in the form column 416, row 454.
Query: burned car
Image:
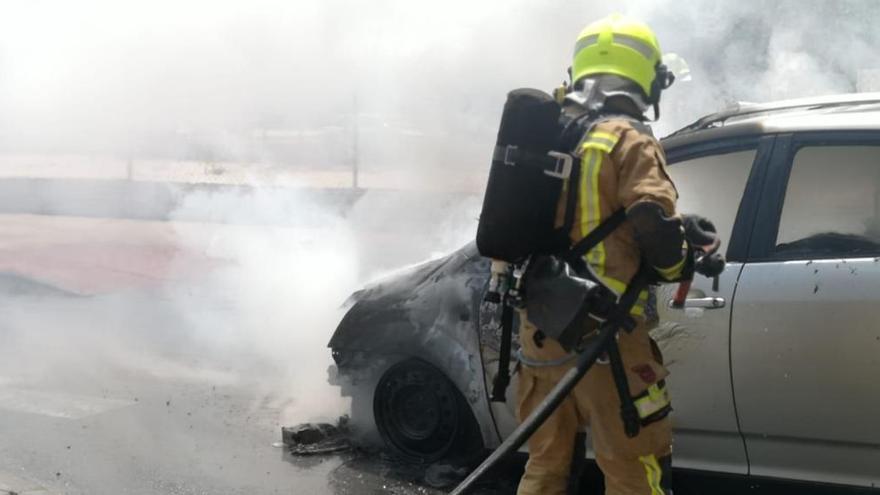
column 773, row 370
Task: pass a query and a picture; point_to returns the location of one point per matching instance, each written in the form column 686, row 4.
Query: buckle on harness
column 563, row 165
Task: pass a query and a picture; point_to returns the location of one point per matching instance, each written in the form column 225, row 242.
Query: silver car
column 775, row 375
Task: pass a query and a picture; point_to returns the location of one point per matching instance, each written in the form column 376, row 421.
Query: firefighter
column 616, row 72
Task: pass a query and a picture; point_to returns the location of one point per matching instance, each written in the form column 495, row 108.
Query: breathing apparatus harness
column 507, row 289
column 508, row 280
column 562, row 271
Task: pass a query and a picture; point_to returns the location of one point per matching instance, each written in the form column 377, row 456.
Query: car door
column 805, row 342
column 718, row 180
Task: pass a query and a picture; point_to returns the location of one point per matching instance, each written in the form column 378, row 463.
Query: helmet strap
column 663, row 79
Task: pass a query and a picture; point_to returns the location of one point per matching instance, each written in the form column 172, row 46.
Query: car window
column 713, row 186
column 832, row 203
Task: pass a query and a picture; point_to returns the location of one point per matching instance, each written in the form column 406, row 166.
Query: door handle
column 701, row 302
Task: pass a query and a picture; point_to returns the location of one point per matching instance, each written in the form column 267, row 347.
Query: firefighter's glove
column 700, row 231
column 703, row 241
column 710, row 265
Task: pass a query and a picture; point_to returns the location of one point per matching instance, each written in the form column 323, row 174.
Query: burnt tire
column 421, row 415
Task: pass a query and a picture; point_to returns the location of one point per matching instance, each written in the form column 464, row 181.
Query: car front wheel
column 421, row 415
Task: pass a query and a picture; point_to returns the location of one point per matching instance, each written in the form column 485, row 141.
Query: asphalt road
column 130, row 394
column 147, row 435
column 164, row 418
column 141, row 435
column 118, row 376
column 138, row 434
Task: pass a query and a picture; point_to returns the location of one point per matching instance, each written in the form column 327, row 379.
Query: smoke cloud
column 282, row 97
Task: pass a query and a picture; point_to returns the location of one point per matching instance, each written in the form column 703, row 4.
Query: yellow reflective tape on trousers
column 654, row 474
column 657, row 399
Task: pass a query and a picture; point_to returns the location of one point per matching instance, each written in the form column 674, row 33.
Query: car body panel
column 805, row 346
column 430, row 311
column 695, row 345
column 695, row 340
column 806, row 357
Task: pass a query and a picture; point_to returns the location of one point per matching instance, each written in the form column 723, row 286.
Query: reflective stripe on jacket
column 621, row 164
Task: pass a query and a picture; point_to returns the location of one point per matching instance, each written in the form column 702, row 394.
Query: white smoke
column 760, row 50
column 407, row 91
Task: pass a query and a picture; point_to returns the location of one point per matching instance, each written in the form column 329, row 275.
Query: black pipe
column 502, row 379
column 585, row 360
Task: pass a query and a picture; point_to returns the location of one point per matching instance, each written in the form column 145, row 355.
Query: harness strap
column 566, row 167
column 570, row 136
column 552, row 163
column 570, row 140
column 628, row 411
column 596, row 236
column 502, row 379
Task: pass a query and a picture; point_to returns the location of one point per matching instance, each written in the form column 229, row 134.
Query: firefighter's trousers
column 631, row 466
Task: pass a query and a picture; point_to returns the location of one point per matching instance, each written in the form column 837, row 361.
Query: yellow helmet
column 621, row 46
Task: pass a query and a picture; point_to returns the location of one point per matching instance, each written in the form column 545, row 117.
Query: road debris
column 445, row 475
column 317, row 438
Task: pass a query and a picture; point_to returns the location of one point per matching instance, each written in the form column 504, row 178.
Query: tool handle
column 681, row 294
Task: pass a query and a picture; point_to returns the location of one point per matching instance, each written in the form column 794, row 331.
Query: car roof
column 850, row 112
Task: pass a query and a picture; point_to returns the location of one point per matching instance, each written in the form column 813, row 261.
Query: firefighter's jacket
column 622, row 164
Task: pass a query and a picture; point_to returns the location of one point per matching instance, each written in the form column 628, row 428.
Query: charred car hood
column 412, row 299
